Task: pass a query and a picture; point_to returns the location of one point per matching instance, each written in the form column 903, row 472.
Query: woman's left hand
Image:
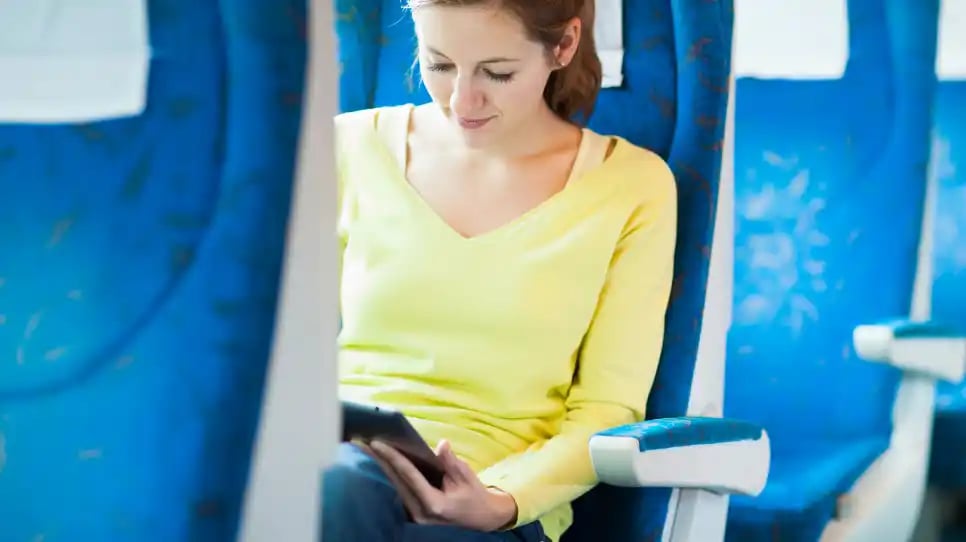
column 463, row 500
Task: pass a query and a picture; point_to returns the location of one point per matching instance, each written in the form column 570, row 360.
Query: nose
column 466, row 97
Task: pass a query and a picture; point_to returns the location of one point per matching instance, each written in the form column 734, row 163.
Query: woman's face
column 481, row 69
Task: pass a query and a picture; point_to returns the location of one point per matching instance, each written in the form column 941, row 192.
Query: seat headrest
column 63, row 61
column 791, row 39
column 951, row 52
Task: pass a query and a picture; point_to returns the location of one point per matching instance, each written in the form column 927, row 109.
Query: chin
column 475, row 138
column 478, row 137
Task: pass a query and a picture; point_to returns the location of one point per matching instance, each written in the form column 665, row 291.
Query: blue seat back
column 949, row 243
column 676, row 74
column 830, row 184
column 948, row 467
column 139, row 263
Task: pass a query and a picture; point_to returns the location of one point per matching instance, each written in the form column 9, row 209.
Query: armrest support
column 720, row 455
column 929, row 348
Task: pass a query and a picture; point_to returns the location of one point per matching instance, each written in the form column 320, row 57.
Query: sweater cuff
column 531, row 499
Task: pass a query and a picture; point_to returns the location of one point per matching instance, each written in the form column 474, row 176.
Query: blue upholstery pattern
column 676, row 67
column 829, row 193
column 948, row 468
column 931, row 329
column 139, row 263
column 667, row 433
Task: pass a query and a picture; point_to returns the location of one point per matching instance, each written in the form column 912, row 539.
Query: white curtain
column 951, row 59
column 72, row 60
column 791, row 39
column 609, row 35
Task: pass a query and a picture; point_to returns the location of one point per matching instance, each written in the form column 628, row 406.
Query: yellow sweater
column 516, row 345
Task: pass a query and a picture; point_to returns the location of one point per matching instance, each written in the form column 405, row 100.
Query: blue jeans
column 360, row 504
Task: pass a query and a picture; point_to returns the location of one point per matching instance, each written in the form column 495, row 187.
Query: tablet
column 367, row 422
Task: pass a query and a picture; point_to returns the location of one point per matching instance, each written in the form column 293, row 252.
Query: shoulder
column 356, row 119
column 363, row 121
column 359, row 134
column 646, row 183
column 640, row 174
column 354, row 124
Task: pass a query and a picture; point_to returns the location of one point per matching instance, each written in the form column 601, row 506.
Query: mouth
column 473, row 124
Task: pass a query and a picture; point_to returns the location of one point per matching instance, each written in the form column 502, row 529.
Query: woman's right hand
column 463, row 500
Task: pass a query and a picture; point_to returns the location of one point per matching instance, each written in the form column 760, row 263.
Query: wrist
column 504, row 507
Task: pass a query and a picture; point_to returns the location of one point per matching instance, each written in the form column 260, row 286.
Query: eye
column 439, row 67
column 499, row 77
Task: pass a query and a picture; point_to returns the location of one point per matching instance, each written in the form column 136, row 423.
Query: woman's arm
column 617, row 361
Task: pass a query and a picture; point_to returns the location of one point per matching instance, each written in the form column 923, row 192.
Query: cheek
column 438, row 85
column 521, row 93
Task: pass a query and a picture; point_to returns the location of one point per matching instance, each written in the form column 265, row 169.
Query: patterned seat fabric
column 673, row 101
column 829, row 195
column 139, row 263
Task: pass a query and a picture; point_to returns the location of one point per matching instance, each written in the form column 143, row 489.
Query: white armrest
column 920, row 347
column 727, row 464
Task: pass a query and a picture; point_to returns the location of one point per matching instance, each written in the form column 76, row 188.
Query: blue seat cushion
column 951, row 400
column 800, row 498
column 947, row 469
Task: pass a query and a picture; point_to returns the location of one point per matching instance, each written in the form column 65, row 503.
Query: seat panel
column 829, row 192
column 81, row 199
column 139, row 278
column 676, row 65
column 948, row 461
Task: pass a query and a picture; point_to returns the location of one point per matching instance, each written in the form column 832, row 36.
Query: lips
column 473, row 124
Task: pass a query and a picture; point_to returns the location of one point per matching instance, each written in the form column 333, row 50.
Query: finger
column 406, row 495
column 404, row 467
column 444, row 450
column 456, row 467
column 466, row 473
column 429, row 497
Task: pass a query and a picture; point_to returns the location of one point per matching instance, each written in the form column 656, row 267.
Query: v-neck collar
column 393, row 127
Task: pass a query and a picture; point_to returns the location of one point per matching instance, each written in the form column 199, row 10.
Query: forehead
column 468, row 32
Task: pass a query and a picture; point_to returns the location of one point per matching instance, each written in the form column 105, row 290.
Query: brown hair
column 572, row 89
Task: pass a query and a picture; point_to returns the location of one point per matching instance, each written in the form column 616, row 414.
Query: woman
column 505, row 278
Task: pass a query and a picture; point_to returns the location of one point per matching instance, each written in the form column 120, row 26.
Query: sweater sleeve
column 617, row 361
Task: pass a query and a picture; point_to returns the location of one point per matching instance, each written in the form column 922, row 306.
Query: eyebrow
column 487, row 61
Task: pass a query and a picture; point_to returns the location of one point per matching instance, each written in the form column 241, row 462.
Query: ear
column 565, row 50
